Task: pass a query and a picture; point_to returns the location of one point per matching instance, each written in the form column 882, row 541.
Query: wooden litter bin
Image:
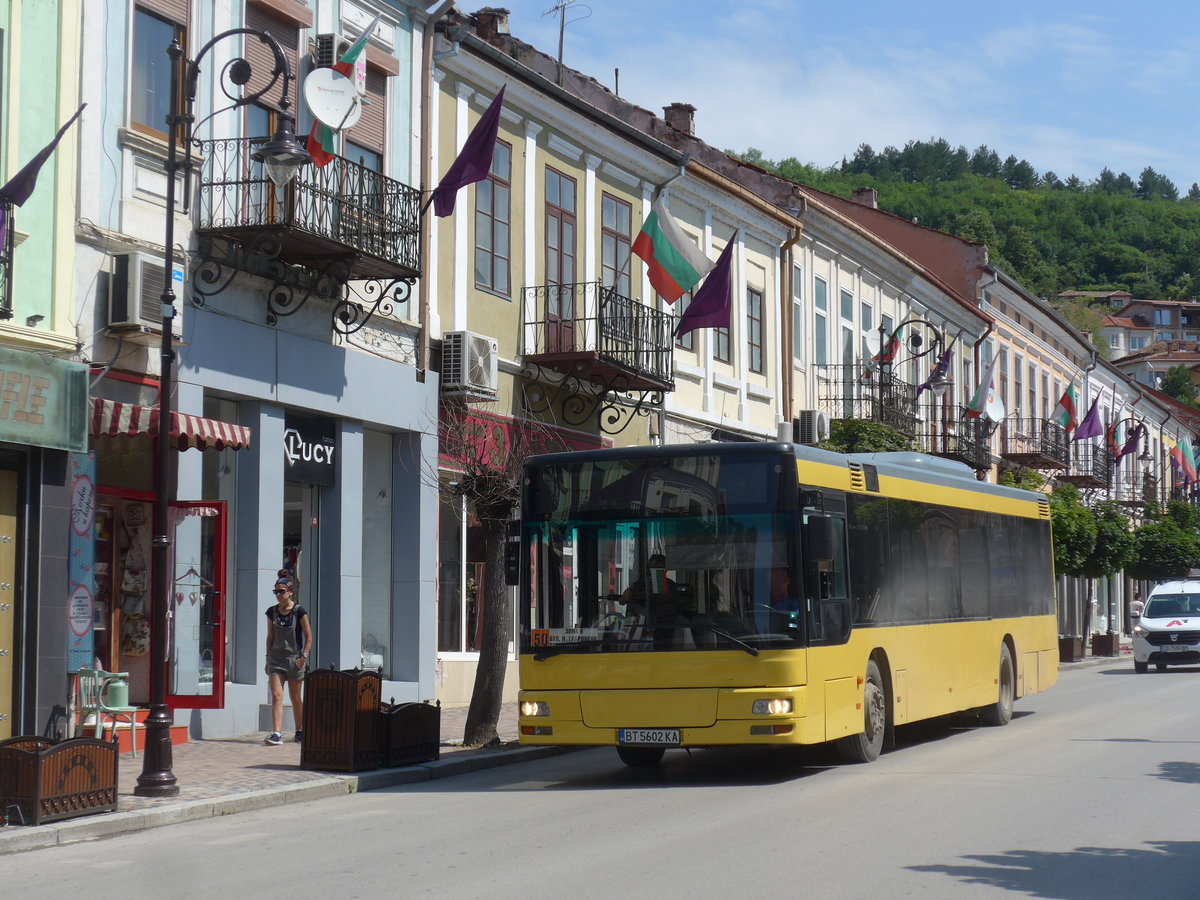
column 341, row 720
column 44, row 780
column 409, row 733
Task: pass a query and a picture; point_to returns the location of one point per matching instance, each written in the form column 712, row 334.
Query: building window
column 150, row 76
column 493, row 223
column 560, row 228
column 1032, row 390
column 797, row 316
column 616, row 218
column 367, row 158
column 1137, row 341
column 1002, row 377
column 1018, row 385
column 754, row 329
column 721, row 345
column 683, row 341
column 820, row 322
column 847, row 306
column 1162, row 317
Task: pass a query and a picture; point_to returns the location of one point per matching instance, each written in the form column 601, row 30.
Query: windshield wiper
column 753, row 651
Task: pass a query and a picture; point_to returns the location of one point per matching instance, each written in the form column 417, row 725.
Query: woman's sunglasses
column 279, row 591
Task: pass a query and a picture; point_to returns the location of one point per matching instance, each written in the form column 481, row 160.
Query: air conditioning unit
column 469, row 363
column 135, row 295
column 810, row 427
column 329, row 48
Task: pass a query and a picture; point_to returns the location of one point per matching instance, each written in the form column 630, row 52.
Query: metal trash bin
column 409, row 733
column 341, row 720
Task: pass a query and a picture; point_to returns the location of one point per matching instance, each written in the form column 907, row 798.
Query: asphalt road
column 1091, row 792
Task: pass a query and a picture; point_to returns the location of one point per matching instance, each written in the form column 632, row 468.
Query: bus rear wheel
column 866, row 747
column 642, row 757
column 1000, row 712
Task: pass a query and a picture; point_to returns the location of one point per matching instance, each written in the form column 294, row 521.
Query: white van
column 1168, row 631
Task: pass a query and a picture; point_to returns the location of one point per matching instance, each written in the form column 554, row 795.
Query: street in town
column 1090, row 792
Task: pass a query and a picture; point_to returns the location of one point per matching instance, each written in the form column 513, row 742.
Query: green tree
column 864, row 436
column 1168, row 545
column 1177, row 383
column 1074, row 528
column 1115, row 545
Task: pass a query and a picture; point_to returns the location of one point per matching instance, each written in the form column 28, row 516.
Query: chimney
column 681, row 117
column 490, row 22
column 866, row 196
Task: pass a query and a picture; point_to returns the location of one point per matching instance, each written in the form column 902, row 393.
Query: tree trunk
column 488, row 692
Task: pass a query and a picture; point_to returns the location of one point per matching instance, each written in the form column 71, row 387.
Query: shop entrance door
column 8, row 579
column 301, row 545
column 196, row 668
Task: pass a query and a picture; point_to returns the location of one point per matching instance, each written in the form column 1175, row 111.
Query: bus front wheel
column 1000, row 712
column 642, row 757
column 866, row 747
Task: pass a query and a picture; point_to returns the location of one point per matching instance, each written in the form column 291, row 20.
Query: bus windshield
column 686, row 553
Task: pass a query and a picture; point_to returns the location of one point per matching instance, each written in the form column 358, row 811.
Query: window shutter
column 175, row 10
column 370, row 129
column 262, row 60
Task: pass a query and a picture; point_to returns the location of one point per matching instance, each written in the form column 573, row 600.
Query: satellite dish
column 332, row 98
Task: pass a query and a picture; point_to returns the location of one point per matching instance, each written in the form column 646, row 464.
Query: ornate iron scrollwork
column 578, row 400
column 374, row 296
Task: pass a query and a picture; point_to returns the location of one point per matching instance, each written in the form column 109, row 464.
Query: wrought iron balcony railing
column 1133, row 489
column 965, row 439
column 6, row 261
column 857, row 391
column 343, row 218
column 1035, row 443
column 591, row 331
column 1091, row 466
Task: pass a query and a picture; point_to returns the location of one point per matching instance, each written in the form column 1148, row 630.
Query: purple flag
column 712, row 304
column 1091, row 426
column 1131, row 444
column 942, row 368
column 21, row 185
column 474, row 161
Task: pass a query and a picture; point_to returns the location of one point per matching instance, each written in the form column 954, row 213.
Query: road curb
column 19, row 838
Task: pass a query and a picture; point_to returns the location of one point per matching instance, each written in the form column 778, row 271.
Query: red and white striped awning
column 117, row 419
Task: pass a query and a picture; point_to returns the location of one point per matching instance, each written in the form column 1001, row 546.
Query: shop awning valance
column 117, row 419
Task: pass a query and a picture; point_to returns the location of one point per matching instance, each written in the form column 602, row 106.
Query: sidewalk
column 229, row 775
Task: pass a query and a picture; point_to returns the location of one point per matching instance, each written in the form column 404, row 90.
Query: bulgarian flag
column 1187, row 461
column 674, row 261
column 321, row 145
column 1112, row 440
column 1065, row 413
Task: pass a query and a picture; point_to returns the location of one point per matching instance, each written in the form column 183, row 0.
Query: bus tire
column 1000, row 712
column 868, row 744
column 641, row 757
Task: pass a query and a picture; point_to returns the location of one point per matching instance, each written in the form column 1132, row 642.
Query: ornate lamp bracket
column 578, row 401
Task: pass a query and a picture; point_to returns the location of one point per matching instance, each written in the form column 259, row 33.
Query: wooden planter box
column 341, row 720
column 43, row 780
column 1106, row 644
column 1070, row 649
column 409, row 733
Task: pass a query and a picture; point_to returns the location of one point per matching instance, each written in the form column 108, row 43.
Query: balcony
column 6, row 260
column 967, row 440
column 1035, row 444
column 344, row 219
column 591, row 332
column 1134, row 490
column 1091, row 466
column 859, row 392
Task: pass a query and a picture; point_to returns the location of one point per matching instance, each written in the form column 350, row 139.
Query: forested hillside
column 1050, row 232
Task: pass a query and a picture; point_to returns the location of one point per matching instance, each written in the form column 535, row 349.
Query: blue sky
column 1070, row 86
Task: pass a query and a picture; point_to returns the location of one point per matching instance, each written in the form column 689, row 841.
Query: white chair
column 105, row 696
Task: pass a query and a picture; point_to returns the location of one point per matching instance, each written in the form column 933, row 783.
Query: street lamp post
column 282, row 157
column 922, row 340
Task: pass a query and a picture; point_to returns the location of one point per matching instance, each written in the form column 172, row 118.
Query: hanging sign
column 310, row 450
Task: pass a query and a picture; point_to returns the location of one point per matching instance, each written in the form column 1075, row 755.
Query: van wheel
column 1140, row 667
column 866, row 747
column 641, row 757
column 1000, row 712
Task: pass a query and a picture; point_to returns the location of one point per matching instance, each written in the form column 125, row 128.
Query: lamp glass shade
column 283, row 156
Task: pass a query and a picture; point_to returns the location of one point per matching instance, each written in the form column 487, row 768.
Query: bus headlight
column 534, row 708
column 777, row 706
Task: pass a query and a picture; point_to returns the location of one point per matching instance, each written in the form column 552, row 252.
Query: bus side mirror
column 818, row 534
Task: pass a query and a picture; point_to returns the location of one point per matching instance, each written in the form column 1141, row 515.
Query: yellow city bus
column 768, row 593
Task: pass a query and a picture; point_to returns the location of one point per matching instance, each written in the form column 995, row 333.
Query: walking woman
column 289, row 637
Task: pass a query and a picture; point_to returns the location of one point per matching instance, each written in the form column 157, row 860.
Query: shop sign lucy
column 309, row 449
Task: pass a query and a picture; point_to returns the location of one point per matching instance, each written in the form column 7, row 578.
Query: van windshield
column 1164, row 606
